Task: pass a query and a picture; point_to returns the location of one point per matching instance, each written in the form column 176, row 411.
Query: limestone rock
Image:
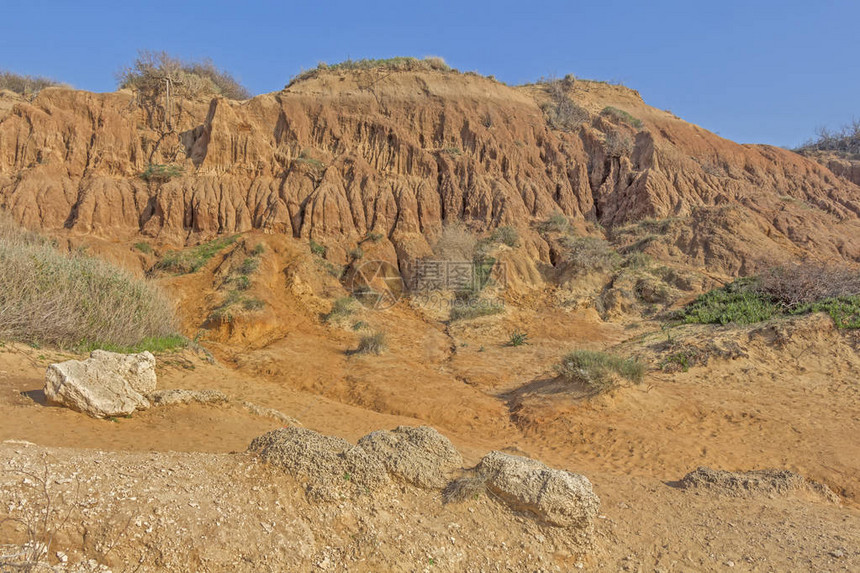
column 332, row 466
column 177, row 396
column 105, row 384
column 420, row 455
column 767, row 483
column 556, row 497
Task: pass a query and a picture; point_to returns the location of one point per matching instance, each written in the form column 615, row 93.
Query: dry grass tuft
column 72, row 300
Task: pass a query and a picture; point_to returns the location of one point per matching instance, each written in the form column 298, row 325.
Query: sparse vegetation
column 151, row 71
column 556, row 223
column 844, row 141
column 618, row 144
column 193, row 259
column 474, row 309
column 341, row 308
column 317, row 249
column 598, row 371
column 72, row 300
column 249, row 266
column 373, row 343
column 464, row 488
column 306, row 158
column 561, row 112
column 144, row 248
column 26, row 85
column 455, row 243
column 226, row 311
column 507, row 236
column 587, row 254
column 400, row 64
column 620, row 115
column 157, row 173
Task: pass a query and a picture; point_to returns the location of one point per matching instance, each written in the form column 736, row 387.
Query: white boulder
column 104, row 385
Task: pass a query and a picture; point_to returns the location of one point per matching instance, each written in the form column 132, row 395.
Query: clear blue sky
column 752, row 71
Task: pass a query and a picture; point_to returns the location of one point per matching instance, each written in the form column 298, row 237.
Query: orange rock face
column 344, row 154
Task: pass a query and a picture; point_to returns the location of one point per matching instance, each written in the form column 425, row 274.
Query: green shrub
column 225, row 312
column 145, row 248
column 317, row 249
column 193, row 259
column 474, row 309
column 356, row 253
column 598, row 371
column 844, row 310
column 241, row 282
column 372, row 344
column 158, row 173
column 518, row 338
column 375, row 237
column 737, row 303
column 620, row 115
column 507, row 236
column 71, row 299
column 258, row 250
column 249, row 266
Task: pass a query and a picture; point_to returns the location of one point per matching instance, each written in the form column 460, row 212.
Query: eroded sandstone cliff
column 344, row 154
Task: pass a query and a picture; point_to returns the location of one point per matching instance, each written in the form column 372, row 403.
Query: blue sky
column 753, row 71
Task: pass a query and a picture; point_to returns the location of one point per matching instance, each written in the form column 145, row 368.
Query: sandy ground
column 788, row 398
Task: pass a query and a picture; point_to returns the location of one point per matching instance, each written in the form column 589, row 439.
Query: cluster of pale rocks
column 108, row 384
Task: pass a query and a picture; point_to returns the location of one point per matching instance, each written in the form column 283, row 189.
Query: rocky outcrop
column 345, row 154
column 331, row 466
column 174, row 396
column 556, row 497
column 419, row 455
column 104, row 385
column 767, row 482
column 561, row 502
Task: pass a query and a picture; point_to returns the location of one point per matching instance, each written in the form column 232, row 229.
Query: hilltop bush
column 561, row 112
column 620, row 115
column 25, row 85
column 400, row 64
column 76, row 301
column 844, row 141
column 188, row 78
